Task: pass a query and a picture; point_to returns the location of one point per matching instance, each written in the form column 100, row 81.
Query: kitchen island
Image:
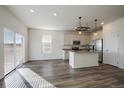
column 80, row 59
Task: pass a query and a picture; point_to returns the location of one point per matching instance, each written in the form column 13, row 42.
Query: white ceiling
column 67, row 16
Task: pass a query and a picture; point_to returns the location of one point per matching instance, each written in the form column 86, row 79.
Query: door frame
column 116, row 63
column 23, row 53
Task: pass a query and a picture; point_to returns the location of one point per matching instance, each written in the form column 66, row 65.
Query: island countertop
column 80, row 50
column 83, row 51
column 80, row 59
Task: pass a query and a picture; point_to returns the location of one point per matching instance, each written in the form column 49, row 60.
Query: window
column 47, row 43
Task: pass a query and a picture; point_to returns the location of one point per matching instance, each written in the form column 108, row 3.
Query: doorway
column 111, row 49
column 13, row 50
column 114, row 49
column 19, row 49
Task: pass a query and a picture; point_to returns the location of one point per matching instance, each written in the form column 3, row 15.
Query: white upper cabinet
column 71, row 36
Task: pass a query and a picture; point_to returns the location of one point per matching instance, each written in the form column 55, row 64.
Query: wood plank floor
column 61, row 75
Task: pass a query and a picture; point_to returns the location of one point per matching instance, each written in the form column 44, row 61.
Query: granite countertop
column 72, row 49
column 80, row 50
column 83, row 51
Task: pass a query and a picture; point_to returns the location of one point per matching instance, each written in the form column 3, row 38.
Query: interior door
column 112, row 49
column 115, row 48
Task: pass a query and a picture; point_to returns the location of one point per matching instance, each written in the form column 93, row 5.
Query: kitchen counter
column 66, row 52
column 73, row 50
column 80, row 59
column 83, row 51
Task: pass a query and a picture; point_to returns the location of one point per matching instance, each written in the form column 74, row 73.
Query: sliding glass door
column 8, row 50
column 19, row 49
column 13, row 50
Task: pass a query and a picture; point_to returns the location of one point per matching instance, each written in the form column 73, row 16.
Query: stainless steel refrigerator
column 98, row 47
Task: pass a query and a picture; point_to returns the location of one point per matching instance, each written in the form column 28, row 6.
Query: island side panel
column 83, row 59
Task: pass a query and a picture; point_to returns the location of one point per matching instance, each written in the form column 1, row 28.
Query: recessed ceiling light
column 102, row 23
column 31, row 10
column 55, row 14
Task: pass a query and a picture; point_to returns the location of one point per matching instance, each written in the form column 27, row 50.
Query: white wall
column 114, row 27
column 1, row 55
column 8, row 20
column 35, row 50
